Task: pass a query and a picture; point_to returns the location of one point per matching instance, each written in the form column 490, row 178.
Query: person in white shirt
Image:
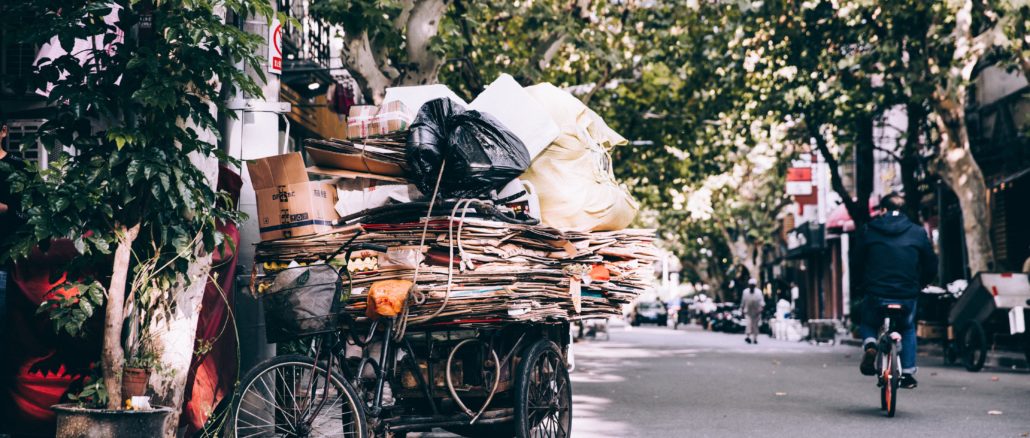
column 751, row 303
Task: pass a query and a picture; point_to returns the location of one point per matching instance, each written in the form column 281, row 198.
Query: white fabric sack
column 361, row 194
column 510, row 104
column 573, row 176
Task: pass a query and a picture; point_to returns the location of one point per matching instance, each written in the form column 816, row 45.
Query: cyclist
column 894, row 260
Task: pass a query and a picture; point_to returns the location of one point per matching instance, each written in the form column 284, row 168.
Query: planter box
column 77, row 422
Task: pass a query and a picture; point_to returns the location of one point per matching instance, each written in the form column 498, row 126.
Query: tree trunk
column 865, row 164
column 113, row 357
column 173, row 342
column 423, row 24
column 357, row 55
column 959, row 170
column 909, row 161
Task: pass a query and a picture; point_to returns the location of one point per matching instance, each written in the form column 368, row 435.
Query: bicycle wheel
column 287, row 396
column 543, row 393
column 890, row 377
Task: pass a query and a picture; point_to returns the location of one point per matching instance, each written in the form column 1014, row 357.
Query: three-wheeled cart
column 357, row 375
column 990, row 314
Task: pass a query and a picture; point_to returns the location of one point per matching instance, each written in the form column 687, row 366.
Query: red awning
column 839, row 219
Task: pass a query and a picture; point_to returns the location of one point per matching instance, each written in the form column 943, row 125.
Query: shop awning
column 840, row 219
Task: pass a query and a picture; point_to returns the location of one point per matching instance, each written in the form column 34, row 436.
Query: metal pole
column 253, row 133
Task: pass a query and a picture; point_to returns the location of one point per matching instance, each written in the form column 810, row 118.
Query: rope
column 402, row 325
column 462, row 204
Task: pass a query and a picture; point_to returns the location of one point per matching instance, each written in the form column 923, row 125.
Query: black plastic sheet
column 481, row 154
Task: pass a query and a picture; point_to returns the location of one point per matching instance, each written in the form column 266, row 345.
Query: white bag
column 573, row 176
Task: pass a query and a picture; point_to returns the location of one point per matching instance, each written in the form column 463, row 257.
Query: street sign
column 275, row 47
column 799, row 188
column 799, row 181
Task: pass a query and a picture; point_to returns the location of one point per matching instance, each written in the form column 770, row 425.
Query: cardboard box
column 931, row 330
column 290, row 205
column 362, row 111
column 358, row 128
column 367, row 120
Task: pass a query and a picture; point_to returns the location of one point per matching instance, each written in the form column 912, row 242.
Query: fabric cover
column 573, row 176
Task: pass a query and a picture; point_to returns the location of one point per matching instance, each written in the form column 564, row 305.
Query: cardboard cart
column 990, row 314
column 427, row 285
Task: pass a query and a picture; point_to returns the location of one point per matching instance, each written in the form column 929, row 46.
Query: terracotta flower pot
column 134, row 382
column 77, row 422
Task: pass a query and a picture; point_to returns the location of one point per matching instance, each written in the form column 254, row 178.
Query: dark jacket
column 893, row 258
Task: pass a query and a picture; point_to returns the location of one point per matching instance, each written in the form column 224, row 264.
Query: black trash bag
column 481, row 154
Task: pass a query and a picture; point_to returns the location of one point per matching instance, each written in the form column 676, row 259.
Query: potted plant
column 136, row 374
column 134, row 93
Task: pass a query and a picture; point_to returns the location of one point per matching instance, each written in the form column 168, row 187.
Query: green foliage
column 126, row 123
column 93, row 393
column 129, row 117
column 145, row 359
column 70, row 311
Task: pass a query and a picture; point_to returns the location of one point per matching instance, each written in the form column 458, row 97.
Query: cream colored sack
column 573, row 176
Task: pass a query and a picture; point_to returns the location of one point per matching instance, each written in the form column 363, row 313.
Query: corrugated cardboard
column 290, row 205
column 355, row 162
column 367, row 120
column 362, row 111
column 357, row 128
column 350, row 174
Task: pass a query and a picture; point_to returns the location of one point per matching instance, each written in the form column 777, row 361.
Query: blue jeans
column 872, row 318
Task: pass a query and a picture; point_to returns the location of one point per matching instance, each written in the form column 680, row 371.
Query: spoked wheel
column 890, row 378
column 1026, row 347
column 974, row 347
column 950, row 353
column 543, row 397
column 288, row 396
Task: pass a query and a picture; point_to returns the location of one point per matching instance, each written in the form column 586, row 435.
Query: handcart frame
column 356, row 378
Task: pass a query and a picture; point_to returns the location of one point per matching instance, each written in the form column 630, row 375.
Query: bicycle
column 888, row 362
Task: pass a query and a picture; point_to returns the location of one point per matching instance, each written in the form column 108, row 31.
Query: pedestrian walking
column 751, row 303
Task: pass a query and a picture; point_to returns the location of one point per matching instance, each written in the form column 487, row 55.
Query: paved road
column 656, row 382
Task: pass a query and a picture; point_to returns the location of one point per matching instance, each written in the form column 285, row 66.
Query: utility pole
column 252, row 134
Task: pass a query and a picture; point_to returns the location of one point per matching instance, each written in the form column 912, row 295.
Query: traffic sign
column 275, row 47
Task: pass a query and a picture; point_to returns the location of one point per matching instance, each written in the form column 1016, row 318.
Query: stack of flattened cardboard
column 379, row 157
column 499, row 272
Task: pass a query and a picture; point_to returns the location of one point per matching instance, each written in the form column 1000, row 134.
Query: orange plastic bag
column 387, row 297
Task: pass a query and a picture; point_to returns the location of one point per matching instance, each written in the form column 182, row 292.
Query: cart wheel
column 289, row 395
column 543, row 393
column 1026, row 347
column 974, row 347
column 950, row 353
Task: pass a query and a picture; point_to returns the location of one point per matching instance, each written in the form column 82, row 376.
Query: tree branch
column 835, row 180
column 469, row 71
column 358, row 57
